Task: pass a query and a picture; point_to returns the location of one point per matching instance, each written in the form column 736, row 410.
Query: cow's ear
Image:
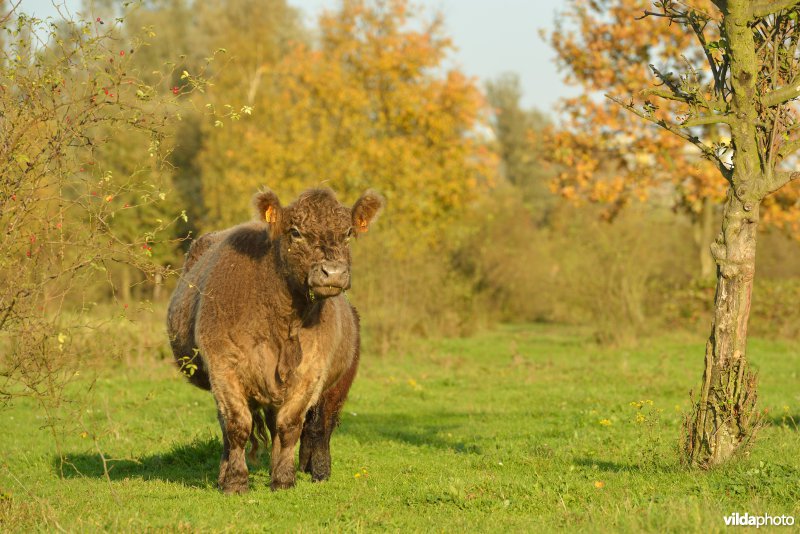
column 366, row 210
column 268, row 209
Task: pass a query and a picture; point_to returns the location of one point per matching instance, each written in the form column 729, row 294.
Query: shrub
column 73, row 105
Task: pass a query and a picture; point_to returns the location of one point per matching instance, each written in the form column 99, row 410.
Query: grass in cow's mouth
column 526, row 428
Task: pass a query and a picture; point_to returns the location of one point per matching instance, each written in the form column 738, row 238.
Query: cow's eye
column 348, row 235
column 295, row 233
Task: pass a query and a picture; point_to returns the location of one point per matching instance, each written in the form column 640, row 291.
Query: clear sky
column 492, row 37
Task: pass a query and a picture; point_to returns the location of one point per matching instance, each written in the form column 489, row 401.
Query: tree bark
column 125, row 284
column 158, row 286
column 724, row 418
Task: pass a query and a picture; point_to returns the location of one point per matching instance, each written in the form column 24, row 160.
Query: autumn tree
column 170, row 54
column 252, row 37
column 369, row 105
column 732, row 101
column 605, row 157
column 3, row 16
column 514, row 126
column 166, row 45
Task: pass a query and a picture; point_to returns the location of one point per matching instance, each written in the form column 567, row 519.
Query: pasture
column 522, row 428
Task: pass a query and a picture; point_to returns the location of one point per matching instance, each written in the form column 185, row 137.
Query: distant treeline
column 133, row 131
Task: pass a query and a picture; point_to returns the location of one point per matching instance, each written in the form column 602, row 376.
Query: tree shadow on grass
column 618, row 467
column 194, row 464
column 439, row 431
column 786, row 422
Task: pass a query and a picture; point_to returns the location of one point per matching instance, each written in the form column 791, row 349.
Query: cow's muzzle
column 329, row 278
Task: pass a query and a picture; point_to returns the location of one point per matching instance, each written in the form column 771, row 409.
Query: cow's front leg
column 223, row 461
column 236, row 423
column 289, row 425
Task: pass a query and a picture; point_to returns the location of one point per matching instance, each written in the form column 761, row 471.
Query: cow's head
column 313, row 235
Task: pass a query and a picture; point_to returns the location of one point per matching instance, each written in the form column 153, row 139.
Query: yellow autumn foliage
column 600, row 147
column 369, row 105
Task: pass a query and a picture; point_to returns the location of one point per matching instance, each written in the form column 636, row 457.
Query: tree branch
column 667, row 79
column 689, row 98
column 11, row 11
column 697, row 19
column 764, row 8
column 711, row 105
column 789, row 148
column 781, row 178
column 708, row 119
column 782, row 95
column 667, row 95
column 701, row 37
column 706, row 150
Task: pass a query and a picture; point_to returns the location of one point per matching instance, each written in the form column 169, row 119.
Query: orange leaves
column 369, row 106
column 606, row 154
column 783, row 209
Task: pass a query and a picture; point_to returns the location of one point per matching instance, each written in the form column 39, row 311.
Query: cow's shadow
column 196, row 463
column 193, row 464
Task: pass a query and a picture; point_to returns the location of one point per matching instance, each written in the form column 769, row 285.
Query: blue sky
column 492, row 37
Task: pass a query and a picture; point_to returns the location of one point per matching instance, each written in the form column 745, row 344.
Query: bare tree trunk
column 724, row 418
column 158, row 286
column 752, row 87
column 125, row 283
column 704, row 234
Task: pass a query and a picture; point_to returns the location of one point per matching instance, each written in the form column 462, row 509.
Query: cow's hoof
column 234, row 481
column 235, row 489
column 320, row 477
column 276, row 485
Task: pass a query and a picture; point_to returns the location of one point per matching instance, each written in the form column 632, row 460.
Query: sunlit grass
column 525, row 428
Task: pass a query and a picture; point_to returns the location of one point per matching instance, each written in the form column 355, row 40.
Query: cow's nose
column 330, row 274
column 332, row 269
column 329, row 278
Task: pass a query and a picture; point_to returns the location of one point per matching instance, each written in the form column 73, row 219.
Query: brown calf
column 260, row 318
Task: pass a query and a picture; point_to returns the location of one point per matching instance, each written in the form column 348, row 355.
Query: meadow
column 520, row 428
column 134, row 127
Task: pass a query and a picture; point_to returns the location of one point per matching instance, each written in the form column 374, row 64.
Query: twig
column 707, row 151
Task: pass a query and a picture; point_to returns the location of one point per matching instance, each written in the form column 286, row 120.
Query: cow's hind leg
column 321, row 420
column 315, row 456
column 269, row 419
column 308, row 437
column 236, row 422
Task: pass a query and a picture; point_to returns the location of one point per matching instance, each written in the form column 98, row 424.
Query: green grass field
column 526, row 428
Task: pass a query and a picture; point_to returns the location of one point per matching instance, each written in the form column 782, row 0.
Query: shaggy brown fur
column 259, row 317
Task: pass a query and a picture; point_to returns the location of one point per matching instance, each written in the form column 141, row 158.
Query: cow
column 260, row 318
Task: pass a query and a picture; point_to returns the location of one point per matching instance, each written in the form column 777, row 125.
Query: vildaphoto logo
column 747, row 520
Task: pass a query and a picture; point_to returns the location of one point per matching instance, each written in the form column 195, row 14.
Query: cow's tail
column 258, row 434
